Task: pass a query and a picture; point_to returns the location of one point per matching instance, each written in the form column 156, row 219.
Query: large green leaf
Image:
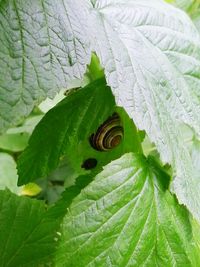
column 62, row 129
column 66, row 130
column 151, row 55
column 127, row 217
column 44, row 45
column 27, row 234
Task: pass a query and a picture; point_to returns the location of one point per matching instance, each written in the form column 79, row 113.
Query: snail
column 108, row 135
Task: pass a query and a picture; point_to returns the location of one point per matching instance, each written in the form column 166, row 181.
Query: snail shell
column 108, row 135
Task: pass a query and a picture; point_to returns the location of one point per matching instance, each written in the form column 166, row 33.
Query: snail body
column 108, row 135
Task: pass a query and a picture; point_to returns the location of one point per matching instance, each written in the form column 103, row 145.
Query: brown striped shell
column 108, row 135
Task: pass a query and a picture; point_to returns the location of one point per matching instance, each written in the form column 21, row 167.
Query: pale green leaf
column 192, row 7
column 197, row 21
column 151, row 55
column 8, row 173
column 16, row 139
column 127, row 217
column 44, row 45
column 14, row 142
column 183, row 4
column 195, row 15
column 27, row 126
column 195, row 153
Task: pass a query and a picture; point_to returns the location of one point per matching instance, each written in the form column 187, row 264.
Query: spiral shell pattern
column 108, row 135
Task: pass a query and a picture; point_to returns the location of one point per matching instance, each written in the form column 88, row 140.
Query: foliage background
column 160, row 60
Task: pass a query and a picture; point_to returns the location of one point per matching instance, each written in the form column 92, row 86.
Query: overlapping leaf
column 183, row 4
column 192, row 7
column 44, row 44
column 66, row 129
column 151, row 54
column 126, row 217
column 8, row 173
column 150, row 51
column 62, row 130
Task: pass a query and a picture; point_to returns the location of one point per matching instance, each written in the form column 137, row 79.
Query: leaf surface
column 8, row 173
column 151, row 55
column 44, row 45
column 183, row 4
column 28, row 235
column 126, row 217
column 66, row 130
column 63, row 128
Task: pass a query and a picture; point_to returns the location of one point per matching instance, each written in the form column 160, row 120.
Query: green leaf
column 195, row 14
column 55, row 183
column 126, row 217
column 31, row 189
column 195, row 153
column 197, row 22
column 183, row 4
column 16, row 139
column 27, row 126
column 192, row 7
column 28, row 234
column 196, row 234
column 94, row 70
column 14, row 142
column 151, row 55
column 44, row 45
column 69, row 125
column 72, row 120
column 8, row 173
